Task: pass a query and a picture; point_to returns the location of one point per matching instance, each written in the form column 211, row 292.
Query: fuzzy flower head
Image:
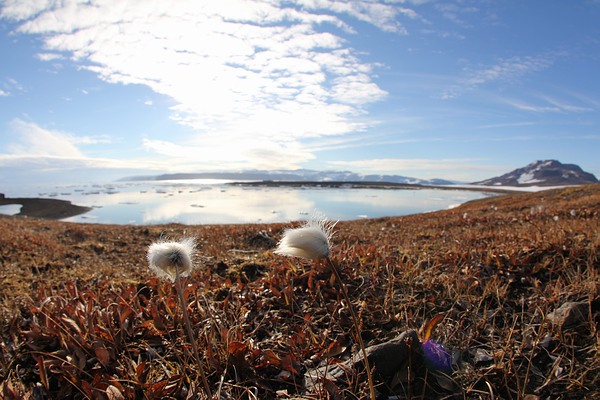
column 167, row 258
column 308, row 241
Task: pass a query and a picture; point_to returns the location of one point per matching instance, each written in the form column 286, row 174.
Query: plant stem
column 191, row 337
column 338, row 277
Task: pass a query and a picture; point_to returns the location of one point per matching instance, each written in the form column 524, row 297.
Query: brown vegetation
column 515, row 278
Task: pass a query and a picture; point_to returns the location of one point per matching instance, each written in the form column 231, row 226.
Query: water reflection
column 219, row 203
column 226, row 205
column 10, row 209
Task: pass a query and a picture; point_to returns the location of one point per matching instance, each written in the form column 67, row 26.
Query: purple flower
column 436, row 356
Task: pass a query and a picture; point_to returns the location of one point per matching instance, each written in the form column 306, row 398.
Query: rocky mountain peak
column 543, row 173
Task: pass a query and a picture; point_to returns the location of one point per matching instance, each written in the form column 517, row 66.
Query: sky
column 456, row 89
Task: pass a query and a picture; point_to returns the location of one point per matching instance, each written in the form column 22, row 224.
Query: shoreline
column 371, row 185
column 44, row 208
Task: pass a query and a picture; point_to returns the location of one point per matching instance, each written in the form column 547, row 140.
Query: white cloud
column 18, row 9
column 357, row 89
column 49, row 56
column 381, row 15
column 29, row 139
column 215, row 153
column 60, row 163
column 32, row 140
column 31, row 149
column 3, row 93
column 274, row 72
column 89, row 140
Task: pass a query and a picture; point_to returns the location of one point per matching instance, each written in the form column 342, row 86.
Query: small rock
column 261, row 240
column 387, row 359
column 482, row 357
column 569, row 316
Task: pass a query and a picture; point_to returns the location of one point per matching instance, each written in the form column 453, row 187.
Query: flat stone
column 387, row 360
column 569, row 316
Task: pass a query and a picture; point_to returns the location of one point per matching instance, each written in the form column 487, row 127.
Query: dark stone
column 392, row 362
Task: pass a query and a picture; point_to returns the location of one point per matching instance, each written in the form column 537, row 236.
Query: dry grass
column 82, row 316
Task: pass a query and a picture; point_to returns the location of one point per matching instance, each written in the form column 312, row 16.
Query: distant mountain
column 542, row 173
column 298, row 175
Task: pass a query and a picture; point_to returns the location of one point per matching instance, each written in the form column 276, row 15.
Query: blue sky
column 462, row 90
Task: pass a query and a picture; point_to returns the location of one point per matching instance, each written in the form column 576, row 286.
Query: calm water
column 216, row 202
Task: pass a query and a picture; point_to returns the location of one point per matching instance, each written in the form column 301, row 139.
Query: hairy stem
column 338, row 277
column 191, row 337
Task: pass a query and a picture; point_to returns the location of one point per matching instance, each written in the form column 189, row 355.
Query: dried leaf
column 42, row 371
column 237, row 350
column 71, row 323
column 287, row 363
column 334, row 392
column 8, row 393
column 103, row 355
column 125, row 314
column 151, row 329
column 334, row 349
column 157, row 389
column 87, row 389
column 113, row 393
column 430, row 326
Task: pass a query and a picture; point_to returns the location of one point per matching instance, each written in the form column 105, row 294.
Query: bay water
column 219, row 202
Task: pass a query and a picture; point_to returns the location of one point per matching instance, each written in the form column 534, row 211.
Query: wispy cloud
column 379, row 14
column 465, row 169
column 505, row 70
column 33, row 147
column 29, row 139
column 546, row 104
column 509, row 69
column 277, row 72
column 49, row 56
column 46, row 163
column 213, row 153
column 32, row 140
column 507, row 125
column 10, row 86
column 456, row 12
column 409, row 164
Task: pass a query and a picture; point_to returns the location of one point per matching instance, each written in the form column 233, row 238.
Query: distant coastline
column 369, row 185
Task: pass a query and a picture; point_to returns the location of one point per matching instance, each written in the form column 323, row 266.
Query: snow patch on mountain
column 528, row 178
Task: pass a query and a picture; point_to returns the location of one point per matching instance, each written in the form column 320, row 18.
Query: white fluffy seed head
column 312, row 240
column 166, row 258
